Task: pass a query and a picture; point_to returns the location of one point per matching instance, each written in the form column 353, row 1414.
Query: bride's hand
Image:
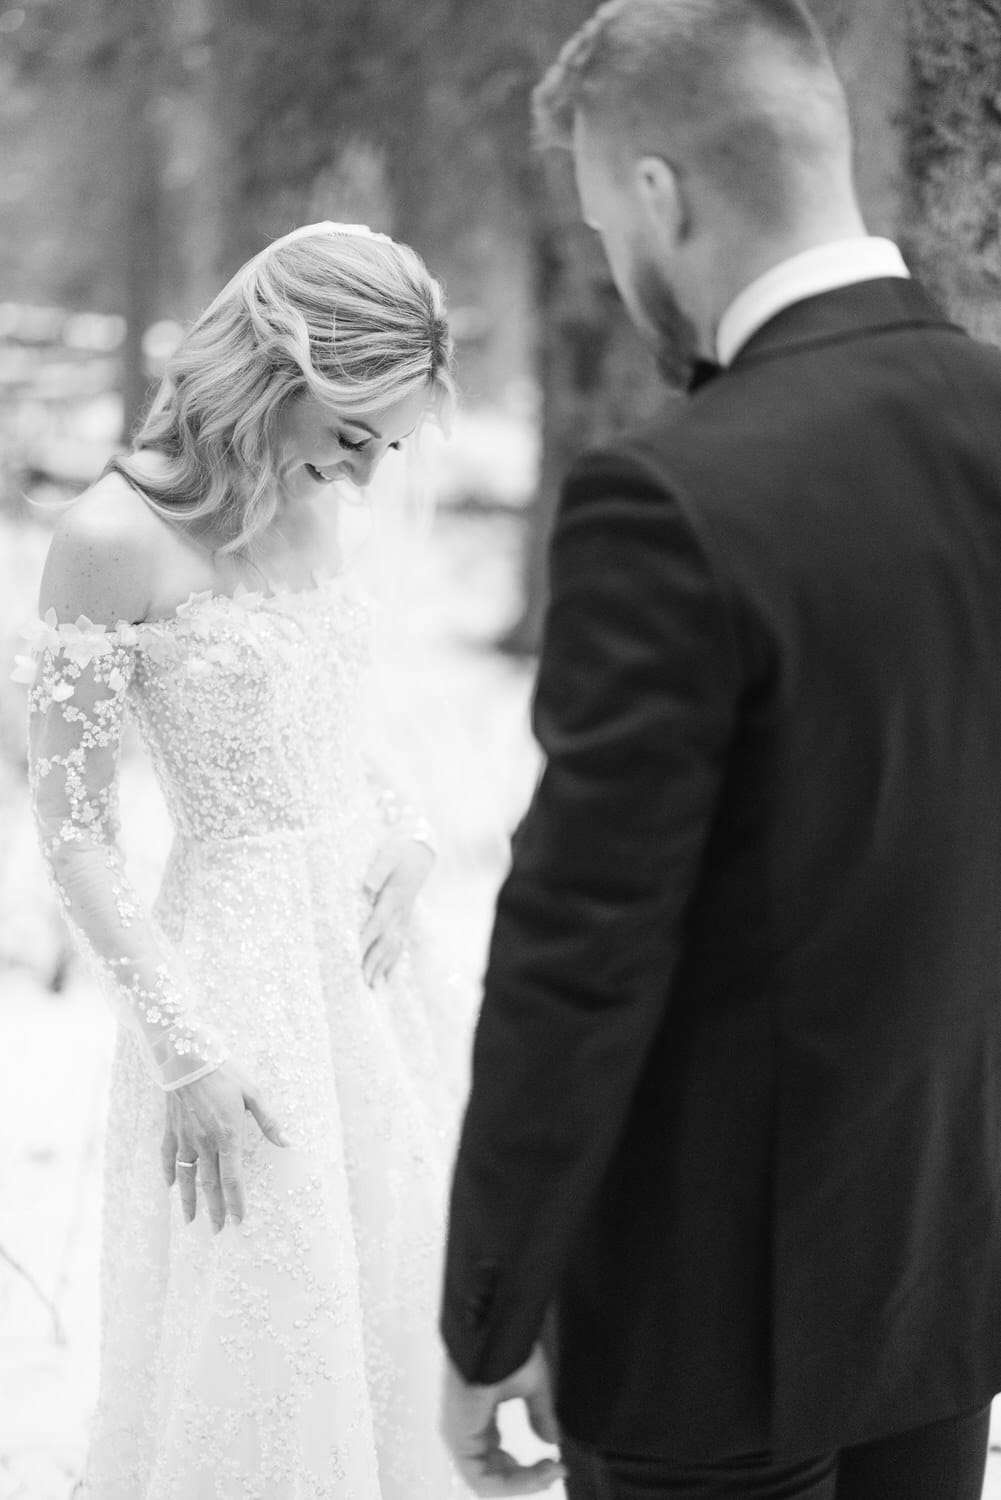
column 203, row 1140
column 393, row 882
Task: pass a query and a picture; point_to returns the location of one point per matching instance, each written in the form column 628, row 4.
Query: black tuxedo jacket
column 736, row 1110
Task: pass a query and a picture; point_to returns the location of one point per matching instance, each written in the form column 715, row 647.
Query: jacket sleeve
column 78, row 676
column 634, row 710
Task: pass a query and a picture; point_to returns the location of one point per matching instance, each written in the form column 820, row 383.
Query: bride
column 286, row 1058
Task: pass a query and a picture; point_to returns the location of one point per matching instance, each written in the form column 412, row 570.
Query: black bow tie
column 702, row 371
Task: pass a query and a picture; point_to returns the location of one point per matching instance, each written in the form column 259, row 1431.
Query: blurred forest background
column 147, row 148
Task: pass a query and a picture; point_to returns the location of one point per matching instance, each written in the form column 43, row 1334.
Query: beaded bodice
column 249, row 707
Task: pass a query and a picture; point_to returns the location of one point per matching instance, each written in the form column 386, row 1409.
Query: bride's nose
column 363, row 466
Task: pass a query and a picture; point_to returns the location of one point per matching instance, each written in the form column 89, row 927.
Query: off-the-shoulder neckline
column 246, row 598
column 48, row 629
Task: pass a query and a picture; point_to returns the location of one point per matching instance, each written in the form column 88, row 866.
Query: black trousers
column 944, row 1461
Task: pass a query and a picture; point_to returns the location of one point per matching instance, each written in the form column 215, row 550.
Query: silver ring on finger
column 191, row 1165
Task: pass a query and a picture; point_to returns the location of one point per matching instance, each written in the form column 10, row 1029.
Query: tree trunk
column 595, row 373
column 953, row 141
column 141, row 169
column 869, row 41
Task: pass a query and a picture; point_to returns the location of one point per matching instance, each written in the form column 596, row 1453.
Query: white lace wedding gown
column 295, row 1355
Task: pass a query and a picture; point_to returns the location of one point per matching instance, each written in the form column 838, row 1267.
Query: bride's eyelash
column 357, row 447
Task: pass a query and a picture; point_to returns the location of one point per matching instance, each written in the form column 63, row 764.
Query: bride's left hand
column 393, row 883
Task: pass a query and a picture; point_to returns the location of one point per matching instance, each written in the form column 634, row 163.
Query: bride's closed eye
column 357, row 447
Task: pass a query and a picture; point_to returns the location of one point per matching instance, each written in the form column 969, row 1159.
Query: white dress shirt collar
column 823, row 269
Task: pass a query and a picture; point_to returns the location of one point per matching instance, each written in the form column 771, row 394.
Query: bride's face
column 319, row 447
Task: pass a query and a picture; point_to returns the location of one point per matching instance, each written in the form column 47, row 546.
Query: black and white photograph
column 500, row 749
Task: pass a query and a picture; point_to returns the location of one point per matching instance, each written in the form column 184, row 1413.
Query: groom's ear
column 661, row 200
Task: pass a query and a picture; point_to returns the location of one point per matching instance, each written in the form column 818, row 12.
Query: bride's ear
column 661, row 199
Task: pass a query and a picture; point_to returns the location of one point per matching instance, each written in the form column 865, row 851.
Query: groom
column 736, row 1112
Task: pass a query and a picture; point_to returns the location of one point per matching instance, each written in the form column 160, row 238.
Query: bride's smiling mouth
column 319, row 475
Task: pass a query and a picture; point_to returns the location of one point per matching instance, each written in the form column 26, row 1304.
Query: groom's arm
column 634, row 710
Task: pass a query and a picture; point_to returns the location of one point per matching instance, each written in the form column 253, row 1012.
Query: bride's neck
column 300, row 543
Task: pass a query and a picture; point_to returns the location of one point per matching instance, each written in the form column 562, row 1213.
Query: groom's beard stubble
column 677, row 341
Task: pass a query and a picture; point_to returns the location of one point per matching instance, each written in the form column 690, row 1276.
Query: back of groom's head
column 742, row 93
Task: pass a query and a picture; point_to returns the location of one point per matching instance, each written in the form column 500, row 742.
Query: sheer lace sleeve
column 79, row 676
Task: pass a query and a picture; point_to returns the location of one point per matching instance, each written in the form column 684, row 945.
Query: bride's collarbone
column 181, row 563
column 179, row 578
column 183, row 569
column 187, row 567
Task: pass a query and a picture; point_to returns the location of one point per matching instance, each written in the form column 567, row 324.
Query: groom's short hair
column 743, row 90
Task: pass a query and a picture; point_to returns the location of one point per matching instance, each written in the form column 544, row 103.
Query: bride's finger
column 381, row 956
column 186, row 1167
column 391, row 951
column 370, row 963
column 372, row 932
column 381, row 868
column 378, row 927
column 169, row 1152
column 212, row 1191
column 266, row 1122
column 390, row 958
column 385, row 910
column 231, row 1182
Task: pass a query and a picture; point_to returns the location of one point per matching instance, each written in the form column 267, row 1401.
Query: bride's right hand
column 203, row 1140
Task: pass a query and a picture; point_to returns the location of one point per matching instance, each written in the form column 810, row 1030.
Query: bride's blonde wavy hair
column 352, row 319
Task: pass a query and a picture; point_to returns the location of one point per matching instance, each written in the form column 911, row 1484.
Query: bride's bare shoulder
column 104, row 555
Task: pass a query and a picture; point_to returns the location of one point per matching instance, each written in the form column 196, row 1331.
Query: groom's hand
column 469, row 1427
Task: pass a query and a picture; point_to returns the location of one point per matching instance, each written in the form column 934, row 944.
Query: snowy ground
column 475, row 771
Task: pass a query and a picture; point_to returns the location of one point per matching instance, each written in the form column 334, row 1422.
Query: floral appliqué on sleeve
column 78, row 677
